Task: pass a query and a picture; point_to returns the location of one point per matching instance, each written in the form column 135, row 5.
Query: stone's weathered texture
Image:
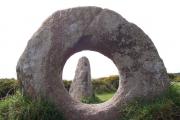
column 142, row 72
column 81, row 86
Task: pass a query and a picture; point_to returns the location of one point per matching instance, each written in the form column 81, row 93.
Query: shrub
column 174, row 77
column 105, row 84
column 67, row 84
column 8, row 87
column 171, row 76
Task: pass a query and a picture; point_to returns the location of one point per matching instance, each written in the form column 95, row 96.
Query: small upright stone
column 81, row 86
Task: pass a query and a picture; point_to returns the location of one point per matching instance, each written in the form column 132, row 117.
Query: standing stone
column 81, row 86
column 141, row 70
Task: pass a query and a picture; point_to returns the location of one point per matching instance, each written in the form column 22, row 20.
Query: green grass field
column 165, row 107
column 105, row 96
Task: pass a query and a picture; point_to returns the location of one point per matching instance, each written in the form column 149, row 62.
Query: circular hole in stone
column 90, row 77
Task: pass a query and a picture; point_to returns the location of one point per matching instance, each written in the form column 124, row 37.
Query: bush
column 67, row 84
column 106, row 84
column 18, row 107
column 8, row 87
column 171, row 76
column 174, row 77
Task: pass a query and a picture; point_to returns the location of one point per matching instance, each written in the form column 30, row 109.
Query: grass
column 98, row 98
column 18, row 107
column 166, row 107
column 91, row 100
column 105, row 96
